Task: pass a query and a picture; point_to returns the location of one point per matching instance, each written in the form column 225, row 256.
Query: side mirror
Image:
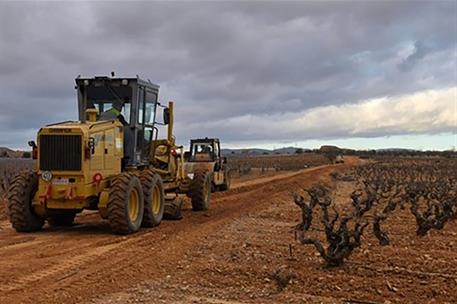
column 166, row 116
column 32, row 144
column 34, row 147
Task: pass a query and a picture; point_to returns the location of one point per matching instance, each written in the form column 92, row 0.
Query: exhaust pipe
column 170, row 121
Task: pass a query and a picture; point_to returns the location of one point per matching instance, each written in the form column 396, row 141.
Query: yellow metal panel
column 218, row 178
column 119, row 142
column 104, row 195
column 60, row 193
column 110, row 156
column 97, row 159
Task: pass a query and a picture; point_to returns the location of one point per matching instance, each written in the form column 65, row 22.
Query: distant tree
column 328, row 148
column 26, row 154
column 330, row 152
column 299, row 151
column 4, row 154
column 331, row 156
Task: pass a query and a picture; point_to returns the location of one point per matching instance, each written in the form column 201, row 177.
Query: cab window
column 202, row 152
column 105, row 106
column 150, row 108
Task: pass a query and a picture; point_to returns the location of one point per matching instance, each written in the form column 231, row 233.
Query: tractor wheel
column 200, row 190
column 64, row 218
column 154, row 198
column 20, row 195
column 214, row 188
column 227, row 181
column 125, row 204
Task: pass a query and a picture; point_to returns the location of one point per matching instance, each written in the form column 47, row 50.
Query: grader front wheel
column 125, row 204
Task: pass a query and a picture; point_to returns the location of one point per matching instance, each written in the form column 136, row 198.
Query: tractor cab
column 131, row 100
column 204, row 150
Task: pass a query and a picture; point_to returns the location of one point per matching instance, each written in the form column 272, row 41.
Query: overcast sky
column 365, row 74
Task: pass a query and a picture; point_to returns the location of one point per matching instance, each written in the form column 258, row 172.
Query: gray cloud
column 419, row 52
column 223, row 61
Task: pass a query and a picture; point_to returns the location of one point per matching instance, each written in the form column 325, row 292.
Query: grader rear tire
column 125, row 204
column 154, row 198
column 200, row 190
column 20, row 195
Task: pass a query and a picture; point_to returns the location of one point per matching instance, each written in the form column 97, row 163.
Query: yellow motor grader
column 110, row 160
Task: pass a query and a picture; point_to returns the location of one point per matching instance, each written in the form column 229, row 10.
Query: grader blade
column 173, row 209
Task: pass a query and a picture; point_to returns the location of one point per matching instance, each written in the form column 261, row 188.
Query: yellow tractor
column 205, row 165
column 109, row 160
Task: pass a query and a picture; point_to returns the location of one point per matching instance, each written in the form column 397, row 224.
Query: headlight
column 46, row 176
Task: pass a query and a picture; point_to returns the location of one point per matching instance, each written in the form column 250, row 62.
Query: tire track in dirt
column 61, row 268
column 76, row 264
column 21, row 244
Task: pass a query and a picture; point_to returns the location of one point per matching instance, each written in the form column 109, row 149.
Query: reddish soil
column 227, row 256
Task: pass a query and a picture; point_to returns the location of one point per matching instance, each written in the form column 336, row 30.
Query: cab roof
column 80, row 81
column 206, row 139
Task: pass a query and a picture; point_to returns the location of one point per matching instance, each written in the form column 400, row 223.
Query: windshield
column 202, row 152
column 105, row 106
column 100, row 92
column 103, row 95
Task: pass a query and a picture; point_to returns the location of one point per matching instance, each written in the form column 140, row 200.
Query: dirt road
column 225, row 256
column 82, row 262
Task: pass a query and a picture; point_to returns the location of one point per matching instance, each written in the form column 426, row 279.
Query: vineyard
column 243, row 165
column 428, row 189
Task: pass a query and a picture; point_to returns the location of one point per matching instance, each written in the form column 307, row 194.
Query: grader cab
column 110, row 160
